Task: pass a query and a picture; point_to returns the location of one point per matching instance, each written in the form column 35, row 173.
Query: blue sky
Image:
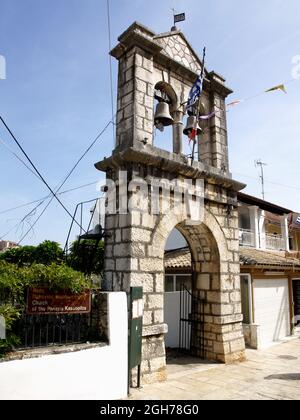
column 56, row 97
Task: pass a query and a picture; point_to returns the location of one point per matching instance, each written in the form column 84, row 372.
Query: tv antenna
column 260, row 164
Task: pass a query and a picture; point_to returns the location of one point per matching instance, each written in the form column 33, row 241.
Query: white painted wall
column 94, row 374
column 271, row 310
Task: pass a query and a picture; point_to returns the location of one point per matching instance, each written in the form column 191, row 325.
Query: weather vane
column 177, row 18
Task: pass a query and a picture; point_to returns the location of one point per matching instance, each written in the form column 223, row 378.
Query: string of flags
column 233, row 104
column 193, row 103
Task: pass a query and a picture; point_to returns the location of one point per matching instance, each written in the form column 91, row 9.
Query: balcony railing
column 268, row 241
column 275, row 242
column 247, row 238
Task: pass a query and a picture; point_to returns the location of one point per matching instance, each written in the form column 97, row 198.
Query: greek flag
column 195, row 93
column 298, row 220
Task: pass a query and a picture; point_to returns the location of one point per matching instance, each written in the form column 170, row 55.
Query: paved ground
column 272, row 374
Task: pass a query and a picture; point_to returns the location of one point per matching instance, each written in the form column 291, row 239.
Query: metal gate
column 296, row 293
column 191, row 327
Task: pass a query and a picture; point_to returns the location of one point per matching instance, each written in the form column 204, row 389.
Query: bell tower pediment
column 175, row 45
column 155, row 76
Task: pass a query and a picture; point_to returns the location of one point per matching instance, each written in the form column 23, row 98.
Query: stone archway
column 217, row 283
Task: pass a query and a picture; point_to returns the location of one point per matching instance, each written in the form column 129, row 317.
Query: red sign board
column 45, row 301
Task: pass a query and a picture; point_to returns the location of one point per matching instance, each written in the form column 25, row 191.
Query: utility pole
column 261, row 164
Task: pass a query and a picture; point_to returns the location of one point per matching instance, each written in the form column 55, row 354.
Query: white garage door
column 272, row 314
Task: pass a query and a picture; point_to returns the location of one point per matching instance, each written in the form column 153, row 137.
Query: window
column 185, row 281
column 246, row 296
column 173, row 282
column 169, row 284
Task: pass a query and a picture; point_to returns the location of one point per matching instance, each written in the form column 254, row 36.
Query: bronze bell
column 192, row 124
column 162, row 116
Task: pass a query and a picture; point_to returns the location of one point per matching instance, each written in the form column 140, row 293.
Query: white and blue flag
column 195, row 93
column 298, row 220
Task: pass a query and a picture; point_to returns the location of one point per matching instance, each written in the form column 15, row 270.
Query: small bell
column 162, row 117
column 192, row 124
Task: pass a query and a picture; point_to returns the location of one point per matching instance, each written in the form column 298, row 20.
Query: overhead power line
column 292, row 187
column 46, row 197
column 35, row 169
column 66, row 179
column 19, row 158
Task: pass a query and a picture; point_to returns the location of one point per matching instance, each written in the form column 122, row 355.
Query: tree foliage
column 86, row 258
column 47, row 253
column 14, row 282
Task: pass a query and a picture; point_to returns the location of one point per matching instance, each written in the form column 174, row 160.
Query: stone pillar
column 219, row 141
column 135, row 99
column 262, row 229
column 254, row 224
column 131, row 260
column 177, row 132
column 285, row 232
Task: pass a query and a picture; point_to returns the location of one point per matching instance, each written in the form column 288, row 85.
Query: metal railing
column 272, row 242
column 58, row 329
column 275, row 242
column 246, row 238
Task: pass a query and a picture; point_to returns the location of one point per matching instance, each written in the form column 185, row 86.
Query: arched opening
column 192, row 275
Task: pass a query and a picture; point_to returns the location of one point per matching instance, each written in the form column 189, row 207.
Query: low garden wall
column 95, row 373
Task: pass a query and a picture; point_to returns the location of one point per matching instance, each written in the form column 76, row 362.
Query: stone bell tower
column 134, row 254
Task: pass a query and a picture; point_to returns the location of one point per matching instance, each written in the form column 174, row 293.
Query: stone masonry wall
column 134, row 256
column 135, row 243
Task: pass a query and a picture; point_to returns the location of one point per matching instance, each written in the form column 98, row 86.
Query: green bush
column 14, row 282
column 86, row 258
column 11, row 314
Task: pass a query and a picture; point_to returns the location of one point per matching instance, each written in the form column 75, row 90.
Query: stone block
column 222, row 309
column 121, row 250
column 109, row 264
column 151, row 264
column 203, row 282
column 137, row 250
column 155, row 301
column 237, row 345
column 155, row 330
column 159, row 283
column 158, row 316
column 140, row 235
column 141, row 86
column 148, row 318
column 235, row 297
column 126, row 264
column 142, row 280
column 221, row 348
column 157, row 364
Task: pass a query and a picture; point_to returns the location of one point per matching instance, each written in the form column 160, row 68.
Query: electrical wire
column 46, row 197
column 22, row 221
column 66, row 179
column 35, row 168
column 19, row 158
column 270, row 182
